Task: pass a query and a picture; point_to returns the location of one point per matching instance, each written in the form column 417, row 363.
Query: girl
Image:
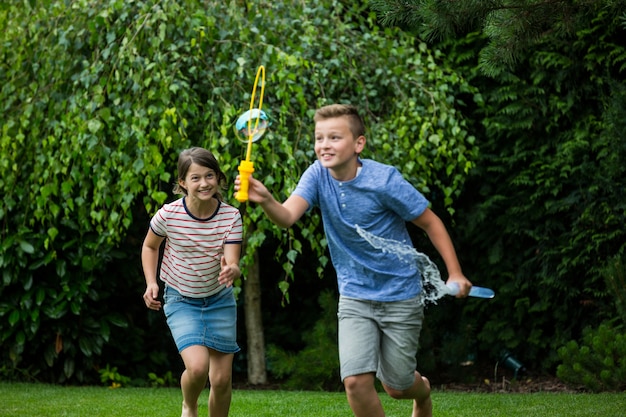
column 203, row 237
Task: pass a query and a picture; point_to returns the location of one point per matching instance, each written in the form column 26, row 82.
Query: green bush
column 544, row 209
column 98, row 97
column 614, row 273
column 110, row 377
column 599, row 362
column 316, row 367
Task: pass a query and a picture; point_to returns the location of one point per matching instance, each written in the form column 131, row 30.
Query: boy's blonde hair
column 357, row 127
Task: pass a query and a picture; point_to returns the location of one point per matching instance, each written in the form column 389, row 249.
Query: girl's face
column 337, row 148
column 200, row 182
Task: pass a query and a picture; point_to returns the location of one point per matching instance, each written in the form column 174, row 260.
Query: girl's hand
column 229, row 273
column 150, row 297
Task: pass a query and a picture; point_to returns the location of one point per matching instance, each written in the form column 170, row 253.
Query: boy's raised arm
column 283, row 215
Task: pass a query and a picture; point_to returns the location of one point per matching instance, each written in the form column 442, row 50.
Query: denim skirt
column 209, row 321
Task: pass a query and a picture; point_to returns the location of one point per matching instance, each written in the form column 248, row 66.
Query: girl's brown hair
column 204, row 158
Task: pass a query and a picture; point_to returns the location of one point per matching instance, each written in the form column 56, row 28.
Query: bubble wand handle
column 478, row 292
column 246, row 167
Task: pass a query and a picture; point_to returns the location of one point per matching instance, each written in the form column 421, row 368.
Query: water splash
column 433, row 287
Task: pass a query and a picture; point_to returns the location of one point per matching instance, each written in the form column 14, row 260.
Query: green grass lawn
column 29, row 400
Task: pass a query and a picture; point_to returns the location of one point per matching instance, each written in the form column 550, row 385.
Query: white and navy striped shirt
column 194, row 247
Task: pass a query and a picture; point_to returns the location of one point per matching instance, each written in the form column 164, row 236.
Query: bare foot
column 189, row 411
column 423, row 407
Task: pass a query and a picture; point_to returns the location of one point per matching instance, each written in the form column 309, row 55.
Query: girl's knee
column 221, row 378
column 197, row 372
column 220, row 383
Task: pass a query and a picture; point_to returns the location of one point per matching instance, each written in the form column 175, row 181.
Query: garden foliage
column 598, row 362
column 98, row 98
column 315, row 367
column 545, row 208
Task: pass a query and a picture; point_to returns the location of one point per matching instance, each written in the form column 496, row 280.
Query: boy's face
column 336, row 147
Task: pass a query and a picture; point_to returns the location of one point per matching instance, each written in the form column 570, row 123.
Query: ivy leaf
column 27, row 247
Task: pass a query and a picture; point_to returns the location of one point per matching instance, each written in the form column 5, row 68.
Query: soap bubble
column 256, row 120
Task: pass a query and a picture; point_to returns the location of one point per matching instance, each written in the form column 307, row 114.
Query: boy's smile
column 336, row 147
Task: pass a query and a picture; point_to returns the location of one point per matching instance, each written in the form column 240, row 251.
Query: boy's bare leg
column 423, row 405
column 362, row 396
column 419, row 392
column 194, row 378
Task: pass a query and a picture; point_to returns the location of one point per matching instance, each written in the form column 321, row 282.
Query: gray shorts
column 380, row 337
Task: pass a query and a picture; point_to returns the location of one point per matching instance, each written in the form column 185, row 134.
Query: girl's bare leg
column 221, row 382
column 194, row 378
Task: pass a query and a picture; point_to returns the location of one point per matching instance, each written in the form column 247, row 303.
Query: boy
column 380, row 315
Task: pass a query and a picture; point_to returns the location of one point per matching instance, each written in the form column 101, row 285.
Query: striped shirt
column 194, row 247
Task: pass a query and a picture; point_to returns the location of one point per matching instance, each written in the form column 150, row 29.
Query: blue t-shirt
column 380, row 201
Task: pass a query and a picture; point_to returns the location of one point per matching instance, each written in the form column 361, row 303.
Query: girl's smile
column 201, row 184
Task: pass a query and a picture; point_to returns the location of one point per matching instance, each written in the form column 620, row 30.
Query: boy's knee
column 356, row 383
column 350, row 383
column 419, row 390
column 394, row 393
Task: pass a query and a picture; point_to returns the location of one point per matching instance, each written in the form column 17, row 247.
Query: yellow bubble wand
column 254, row 133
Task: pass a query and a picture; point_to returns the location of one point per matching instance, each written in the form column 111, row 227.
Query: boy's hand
column 282, row 214
column 464, row 284
column 257, row 192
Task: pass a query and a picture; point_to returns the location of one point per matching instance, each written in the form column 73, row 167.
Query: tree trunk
column 257, row 373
